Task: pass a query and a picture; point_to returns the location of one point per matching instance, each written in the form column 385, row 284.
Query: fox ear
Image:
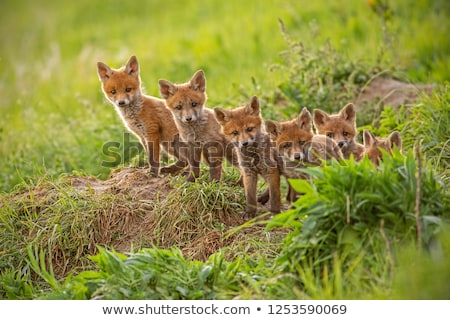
column 167, row 88
column 395, row 139
column 368, row 139
column 253, row 107
column 222, row 116
column 198, row 81
column 104, row 72
column 304, row 120
column 348, row 112
column 320, row 118
column 132, row 67
column 273, row 128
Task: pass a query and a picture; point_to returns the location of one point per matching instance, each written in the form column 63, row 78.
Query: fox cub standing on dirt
column 290, row 138
column 244, row 127
column 373, row 145
column 341, row 128
column 298, row 147
column 197, row 125
column 145, row 116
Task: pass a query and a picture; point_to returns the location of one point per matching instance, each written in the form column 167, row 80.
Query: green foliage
column 424, row 125
column 357, row 213
column 155, row 274
column 321, row 77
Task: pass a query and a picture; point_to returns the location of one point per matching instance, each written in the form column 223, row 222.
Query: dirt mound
column 392, row 92
column 143, row 211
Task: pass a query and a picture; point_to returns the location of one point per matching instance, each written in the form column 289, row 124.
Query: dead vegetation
column 131, row 210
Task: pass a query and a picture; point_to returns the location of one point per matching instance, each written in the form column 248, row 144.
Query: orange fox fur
column 341, row 128
column 244, row 127
column 290, row 138
column 145, row 116
column 322, row 148
column 373, row 145
column 298, row 147
column 197, row 125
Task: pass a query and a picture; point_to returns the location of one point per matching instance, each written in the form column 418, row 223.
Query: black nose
column 341, row 144
column 297, row 156
column 189, row 119
column 121, row 103
column 245, row 143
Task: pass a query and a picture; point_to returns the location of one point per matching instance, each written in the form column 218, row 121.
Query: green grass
column 55, row 122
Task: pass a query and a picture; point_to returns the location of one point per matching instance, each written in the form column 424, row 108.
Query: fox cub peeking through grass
column 373, row 145
column 299, row 147
column 341, row 128
column 197, row 125
column 145, row 116
column 244, row 127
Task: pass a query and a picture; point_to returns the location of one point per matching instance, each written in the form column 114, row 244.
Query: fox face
column 340, row 127
column 373, row 145
column 243, row 125
column 291, row 137
column 120, row 86
column 186, row 101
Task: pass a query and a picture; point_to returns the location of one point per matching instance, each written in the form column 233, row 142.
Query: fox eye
column 302, row 142
column 249, row 129
column 194, row 104
column 235, row 133
column 179, row 107
column 113, row 91
column 330, row 135
column 127, row 89
column 286, row 145
column 345, row 133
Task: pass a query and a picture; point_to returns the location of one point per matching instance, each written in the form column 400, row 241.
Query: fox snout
column 246, row 143
column 343, row 144
column 189, row 118
column 299, row 156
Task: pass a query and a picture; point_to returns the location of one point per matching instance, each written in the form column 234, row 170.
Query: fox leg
column 194, row 157
column 231, row 156
column 292, row 195
column 213, row 154
column 178, row 149
column 264, row 197
column 153, row 157
column 250, row 184
column 273, row 179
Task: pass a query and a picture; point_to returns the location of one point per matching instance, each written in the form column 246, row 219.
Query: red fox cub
column 373, row 144
column 341, row 128
column 145, row 116
column 290, row 138
column 298, row 147
column 197, row 125
column 244, row 127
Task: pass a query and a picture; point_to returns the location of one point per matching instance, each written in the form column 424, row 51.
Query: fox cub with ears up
column 341, row 128
column 299, row 147
column 145, row 116
column 374, row 144
column 244, row 127
column 197, row 125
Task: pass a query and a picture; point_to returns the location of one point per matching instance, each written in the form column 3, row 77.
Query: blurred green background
column 55, row 118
